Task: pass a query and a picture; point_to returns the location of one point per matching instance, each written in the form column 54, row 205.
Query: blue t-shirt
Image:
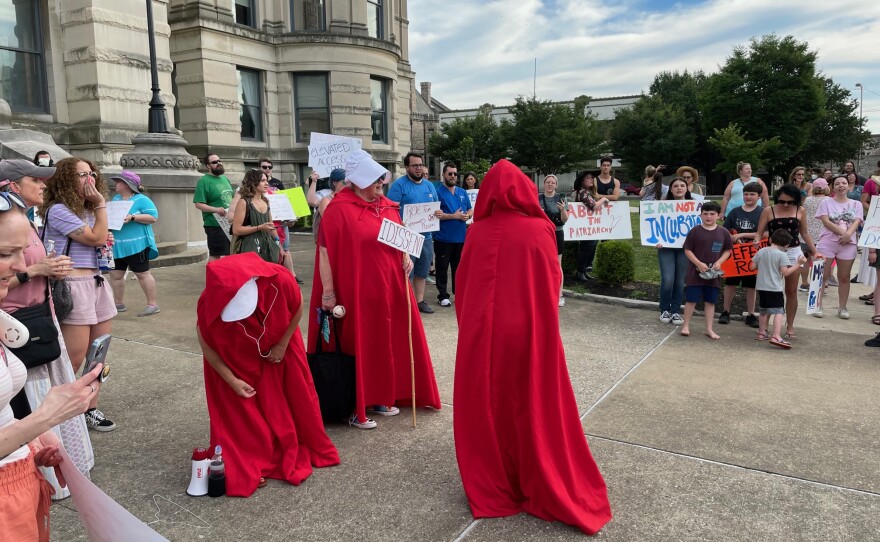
column 404, row 192
column 134, row 237
column 453, row 231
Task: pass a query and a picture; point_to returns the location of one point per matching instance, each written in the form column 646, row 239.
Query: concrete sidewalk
column 697, row 439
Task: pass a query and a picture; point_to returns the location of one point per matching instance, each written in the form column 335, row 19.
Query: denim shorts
column 422, row 264
column 706, row 294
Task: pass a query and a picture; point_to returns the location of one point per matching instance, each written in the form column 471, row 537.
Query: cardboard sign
column 816, row 272
column 225, row 225
column 472, row 194
column 397, row 236
column 297, row 201
column 328, row 152
column 740, row 258
column 116, row 213
column 281, row 207
column 870, row 237
column 606, row 222
column 419, row 217
column 667, row 223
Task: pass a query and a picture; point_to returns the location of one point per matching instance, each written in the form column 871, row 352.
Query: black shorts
column 771, row 300
column 560, row 241
column 747, row 281
column 138, row 263
column 218, row 243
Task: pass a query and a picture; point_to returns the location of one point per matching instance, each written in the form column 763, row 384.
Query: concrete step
column 186, row 257
column 171, row 247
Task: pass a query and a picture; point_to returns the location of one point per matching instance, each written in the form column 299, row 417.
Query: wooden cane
column 412, row 359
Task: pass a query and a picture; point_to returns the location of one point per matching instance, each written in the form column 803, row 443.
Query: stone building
column 241, row 78
column 426, row 111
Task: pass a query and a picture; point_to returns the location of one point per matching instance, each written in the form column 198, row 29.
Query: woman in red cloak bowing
column 518, row 438
column 369, row 279
column 261, row 400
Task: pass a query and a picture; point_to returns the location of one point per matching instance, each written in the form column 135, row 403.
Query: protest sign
column 281, row 207
column 668, row 222
column 870, row 237
column 740, row 258
column 225, row 225
column 816, row 272
column 328, row 152
column 116, row 213
column 297, row 201
column 605, row 222
column 419, row 217
column 472, row 194
column 104, row 519
column 397, row 236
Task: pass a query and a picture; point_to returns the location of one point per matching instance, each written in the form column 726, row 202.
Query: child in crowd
column 773, row 266
column 742, row 223
column 706, row 247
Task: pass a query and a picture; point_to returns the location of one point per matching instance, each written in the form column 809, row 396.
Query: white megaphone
column 12, row 332
column 198, row 482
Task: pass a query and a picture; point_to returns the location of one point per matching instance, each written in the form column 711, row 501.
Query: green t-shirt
column 213, row 191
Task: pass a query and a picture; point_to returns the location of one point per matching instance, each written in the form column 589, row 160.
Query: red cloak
column 278, row 433
column 518, row 437
column 370, row 283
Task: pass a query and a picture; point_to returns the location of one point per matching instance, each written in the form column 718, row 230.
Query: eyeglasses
column 266, row 167
column 214, row 162
column 452, row 174
column 84, row 174
column 686, row 177
column 9, row 199
column 786, row 202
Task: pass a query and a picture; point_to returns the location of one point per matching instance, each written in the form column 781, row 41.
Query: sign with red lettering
column 606, row 222
column 421, row 217
column 740, row 258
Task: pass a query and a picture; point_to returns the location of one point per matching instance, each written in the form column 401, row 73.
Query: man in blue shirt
column 413, row 188
column 455, row 206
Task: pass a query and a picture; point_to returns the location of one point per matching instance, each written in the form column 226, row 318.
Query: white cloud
column 476, row 52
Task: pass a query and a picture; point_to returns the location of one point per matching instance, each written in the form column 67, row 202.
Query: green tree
column 469, row 141
column 734, row 147
column 652, row 132
column 552, row 137
column 681, row 91
column 772, row 89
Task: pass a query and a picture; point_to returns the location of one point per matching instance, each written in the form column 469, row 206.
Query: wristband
column 100, row 207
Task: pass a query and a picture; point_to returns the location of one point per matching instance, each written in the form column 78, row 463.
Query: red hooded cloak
column 370, row 283
column 518, row 437
column 278, row 433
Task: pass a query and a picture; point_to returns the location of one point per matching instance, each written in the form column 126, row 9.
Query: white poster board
column 104, row 519
column 403, row 239
column 116, row 213
column 420, row 218
column 606, row 222
column 328, row 152
column 225, row 225
column 816, row 271
column 668, row 222
column 472, row 194
column 281, row 208
column 870, row 237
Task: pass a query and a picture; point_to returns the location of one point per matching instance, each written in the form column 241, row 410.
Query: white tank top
column 12, row 376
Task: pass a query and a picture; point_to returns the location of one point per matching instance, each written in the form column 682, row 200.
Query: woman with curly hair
column 74, row 216
column 252, row 227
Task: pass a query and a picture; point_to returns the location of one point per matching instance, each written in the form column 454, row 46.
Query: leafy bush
column 615, row 262
column 569, row 258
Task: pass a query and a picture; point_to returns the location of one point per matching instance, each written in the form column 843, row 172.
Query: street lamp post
column 861, row 121
column 157, row 122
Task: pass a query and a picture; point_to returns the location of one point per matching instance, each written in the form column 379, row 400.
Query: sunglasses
column 266, row 167
column 786, row 202
column 84, row 174
column 451, row 174
column 8, row 199
column 214, row 162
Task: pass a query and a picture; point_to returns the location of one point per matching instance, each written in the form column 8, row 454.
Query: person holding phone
column 554, row 206
column 74, row 216
column 28, row 443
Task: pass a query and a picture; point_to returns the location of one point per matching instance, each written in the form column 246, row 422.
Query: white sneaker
column 665, row 317
column 843, row 314
column 677, row 320
column 366, row 424
column 818, row 313
column 561, row 301
column 445, row 303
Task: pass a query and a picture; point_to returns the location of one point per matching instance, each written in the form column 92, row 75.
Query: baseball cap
column 130, row 178
column 821, row 183
column 13, row 170
column 362, row 170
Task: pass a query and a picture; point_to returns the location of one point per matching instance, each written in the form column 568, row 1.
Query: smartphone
column 98, row 354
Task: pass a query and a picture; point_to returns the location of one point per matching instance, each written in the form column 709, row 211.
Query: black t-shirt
column 743, row 221
column 604, row 189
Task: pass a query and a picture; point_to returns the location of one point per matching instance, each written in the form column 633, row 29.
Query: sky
column 477, row 51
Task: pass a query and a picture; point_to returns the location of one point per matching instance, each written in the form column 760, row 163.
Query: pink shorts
column 24, row 501
column 833, row 249
column 92, row 301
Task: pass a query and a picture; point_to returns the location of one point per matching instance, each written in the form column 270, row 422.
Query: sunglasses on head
column 8, row 199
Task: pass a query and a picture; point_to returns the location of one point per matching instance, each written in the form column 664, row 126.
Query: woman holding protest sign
column 369, row 279
column 787, row 213
column 555, row 208
column 673, row 264
column 585, row 192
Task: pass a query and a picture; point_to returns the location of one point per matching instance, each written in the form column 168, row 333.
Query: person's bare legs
column 777, row 324
column 729, row 292
column 95, row 331
column 76, row 338
column 791, row 301
column 709, row 309
column 563, row 278
column 117, row 284
column 688, row 314
column 805, row 274
column 762, row 324
column 844, row 268
column 148, row 285
column 751, row 296
column 877, row 293
column 419, row 288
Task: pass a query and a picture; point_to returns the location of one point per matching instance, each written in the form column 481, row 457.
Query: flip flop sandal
column 869, row 302
column 776, row 341
column 790, row 336
column 866, row 297
column 876, row 320
column 762, row 337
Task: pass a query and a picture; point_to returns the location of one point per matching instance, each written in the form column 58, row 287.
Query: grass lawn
column 647, row 268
